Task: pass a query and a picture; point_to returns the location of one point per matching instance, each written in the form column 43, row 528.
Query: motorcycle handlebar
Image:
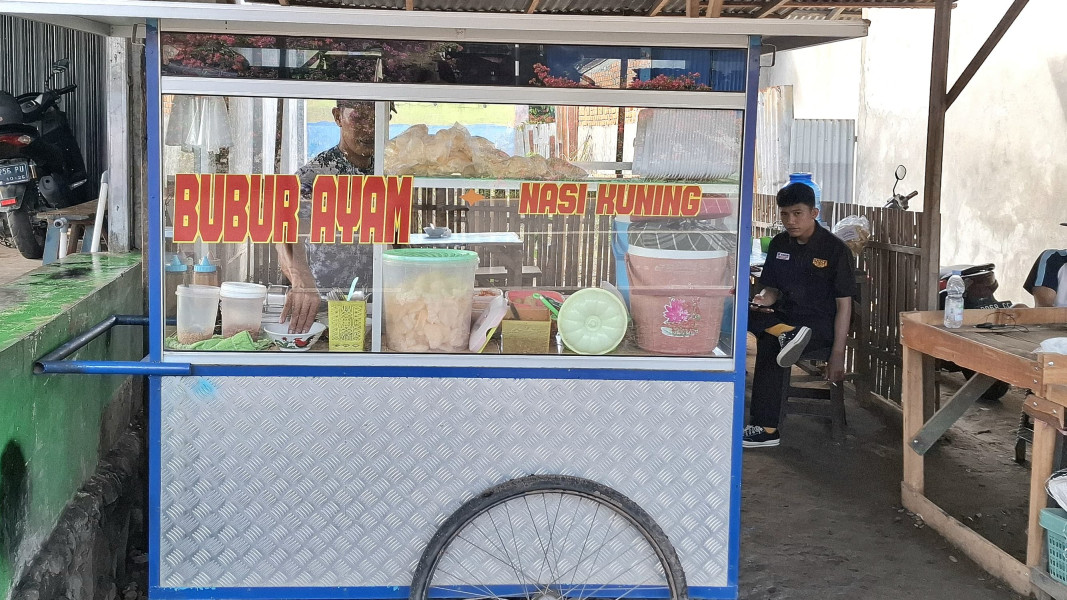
column 66, row 90
column 912, row 195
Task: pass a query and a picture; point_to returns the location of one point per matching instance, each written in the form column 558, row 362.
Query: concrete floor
column 12, row 265
column 823, row 521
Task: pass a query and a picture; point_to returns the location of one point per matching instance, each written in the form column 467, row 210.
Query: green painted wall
column 50, row 424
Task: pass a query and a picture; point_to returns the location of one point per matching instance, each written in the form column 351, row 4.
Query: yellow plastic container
column 525, row 337
column 348, row 325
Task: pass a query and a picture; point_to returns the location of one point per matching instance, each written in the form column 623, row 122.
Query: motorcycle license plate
column 11, row 174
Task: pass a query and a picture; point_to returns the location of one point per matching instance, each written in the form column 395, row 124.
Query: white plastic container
column 198, row 305
column 428, row 299
column 242, row 308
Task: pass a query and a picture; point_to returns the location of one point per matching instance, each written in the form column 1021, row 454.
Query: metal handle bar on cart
column 53, row 362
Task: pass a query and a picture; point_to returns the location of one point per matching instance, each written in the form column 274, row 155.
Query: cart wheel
column 549, row 537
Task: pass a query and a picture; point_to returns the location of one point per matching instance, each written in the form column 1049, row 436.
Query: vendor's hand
column 301, row 304
column 835, row 369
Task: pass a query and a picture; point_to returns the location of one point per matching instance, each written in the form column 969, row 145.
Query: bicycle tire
column 564, row 485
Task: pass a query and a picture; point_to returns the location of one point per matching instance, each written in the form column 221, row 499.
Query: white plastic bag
column 1056, row 345
column 1056, row 486
column 855, row 231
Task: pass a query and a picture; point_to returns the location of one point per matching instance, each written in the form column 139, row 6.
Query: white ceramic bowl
column 293, row 342
column 437, row 232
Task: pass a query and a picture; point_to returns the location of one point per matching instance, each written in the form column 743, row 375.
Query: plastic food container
column 198, row 305
column 483, row 297
column 427, row 300
column 529, row 308
column 678, row 298
column 593, row 321
column 242, row 308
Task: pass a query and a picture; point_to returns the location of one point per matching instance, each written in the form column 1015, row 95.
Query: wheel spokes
column 541, row 532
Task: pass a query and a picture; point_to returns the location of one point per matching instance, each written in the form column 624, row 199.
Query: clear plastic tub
column 198, row 305
column 427, row 298
column 242, row 308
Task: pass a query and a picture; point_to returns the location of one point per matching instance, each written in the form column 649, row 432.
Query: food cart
column 583, row 448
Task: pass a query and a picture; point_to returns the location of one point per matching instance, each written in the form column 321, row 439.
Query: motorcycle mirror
column 900, row 172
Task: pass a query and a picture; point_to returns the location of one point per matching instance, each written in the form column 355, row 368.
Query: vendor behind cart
column 314, row 269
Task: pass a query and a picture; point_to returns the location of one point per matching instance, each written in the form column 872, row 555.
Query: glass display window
column 474, row 63
column 349, row 226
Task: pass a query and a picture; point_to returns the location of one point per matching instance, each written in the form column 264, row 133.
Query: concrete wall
column 54, row 429
column 1005, row 175
column 825, row 79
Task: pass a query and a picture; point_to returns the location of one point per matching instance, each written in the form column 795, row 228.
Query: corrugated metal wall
column 826, row 148
column 774, row 126
column 30, row 48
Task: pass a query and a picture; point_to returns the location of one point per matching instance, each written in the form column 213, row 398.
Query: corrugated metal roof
column 515, row 6
column 794, row 9
column 606, row 7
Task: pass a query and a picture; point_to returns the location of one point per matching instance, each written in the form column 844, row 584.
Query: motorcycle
column 980, row 283
column 41, row 165
column 900, row 201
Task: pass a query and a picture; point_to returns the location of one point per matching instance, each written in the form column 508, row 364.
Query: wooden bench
column 484, row 276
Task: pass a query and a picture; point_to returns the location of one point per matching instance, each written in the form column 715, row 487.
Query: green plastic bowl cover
column 430, row 255
column 592, row 321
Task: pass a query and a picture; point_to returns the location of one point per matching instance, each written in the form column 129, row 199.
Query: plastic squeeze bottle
column 954, row 301
column 205, row 273
column 175, row 273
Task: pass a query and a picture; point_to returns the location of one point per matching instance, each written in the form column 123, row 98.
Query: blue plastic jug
column 806, row 179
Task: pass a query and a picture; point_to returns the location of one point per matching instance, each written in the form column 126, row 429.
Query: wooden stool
column 827, row 401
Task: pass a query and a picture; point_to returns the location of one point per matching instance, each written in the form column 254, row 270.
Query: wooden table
column 507, row 243
column 1008, row 355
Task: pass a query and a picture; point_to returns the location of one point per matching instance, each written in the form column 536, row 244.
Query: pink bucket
column 677, row 298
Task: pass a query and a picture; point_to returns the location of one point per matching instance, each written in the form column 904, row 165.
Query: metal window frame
column 415, row 92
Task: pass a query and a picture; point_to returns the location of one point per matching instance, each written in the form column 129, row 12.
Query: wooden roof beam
column 835, row 14
column 658, row 8
column 409, row 4
column 692, row 8
column 983, row 52
column 769, row 9
column 714, row 9
column 532, row 8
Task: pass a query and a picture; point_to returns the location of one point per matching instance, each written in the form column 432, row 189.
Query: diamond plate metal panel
column 274, row 482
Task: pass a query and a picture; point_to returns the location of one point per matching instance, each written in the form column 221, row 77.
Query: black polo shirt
column 810, row 278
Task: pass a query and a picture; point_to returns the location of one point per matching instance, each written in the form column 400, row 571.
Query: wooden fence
column 890, row 285
column 572, row 252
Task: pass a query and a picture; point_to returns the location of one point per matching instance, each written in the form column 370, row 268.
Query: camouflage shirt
column 333, row 265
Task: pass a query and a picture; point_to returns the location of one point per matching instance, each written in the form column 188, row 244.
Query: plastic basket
column 348, row 325
column 1054, row 521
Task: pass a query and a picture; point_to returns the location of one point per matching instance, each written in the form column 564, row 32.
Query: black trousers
column 768, row 379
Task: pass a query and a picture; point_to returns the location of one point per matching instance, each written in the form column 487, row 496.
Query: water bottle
column 806, row 179
column 954, row 301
